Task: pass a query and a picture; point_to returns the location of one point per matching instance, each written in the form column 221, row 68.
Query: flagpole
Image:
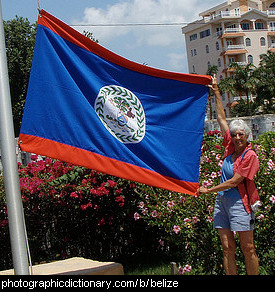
column 10, row 170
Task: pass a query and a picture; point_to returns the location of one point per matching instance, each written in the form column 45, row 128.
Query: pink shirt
column 246, row 167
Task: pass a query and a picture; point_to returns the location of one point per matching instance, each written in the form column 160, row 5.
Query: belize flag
column 91, row 107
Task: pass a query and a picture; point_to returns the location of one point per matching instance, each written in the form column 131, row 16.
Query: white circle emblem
column 121, row 113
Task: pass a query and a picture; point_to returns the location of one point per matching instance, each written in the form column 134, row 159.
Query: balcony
column 234, row 50
column 270, row 12
column 232, row 32
column 227, row 67
column 272, row 48
column 222, row 14
column 232, row 15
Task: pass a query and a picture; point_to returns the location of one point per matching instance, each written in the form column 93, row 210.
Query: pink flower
column 136, row 216
column 188, row 268
column 272, row 199
column 118, row 191
column 183, row 270
column 195, row 219
column 218, row 157
column 207, row 183
column 209, row 219
column 34, row 157
column 74, row 195
column 3, row 222
column 141, row 205
column 161, row 242
column 213, row 175
column 111, row 183
column 187, row 220
column 155, row 214
column 101, row 222
column 260, row 217
column 84, row 207
column 182, row 199
column 176, row 229
column 210, row 209
column 120, row 200
column 270, row 164
column 170, row 204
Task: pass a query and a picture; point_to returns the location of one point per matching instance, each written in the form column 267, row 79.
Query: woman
column 236, row 192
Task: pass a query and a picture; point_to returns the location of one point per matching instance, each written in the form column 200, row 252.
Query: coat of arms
column 121, row 113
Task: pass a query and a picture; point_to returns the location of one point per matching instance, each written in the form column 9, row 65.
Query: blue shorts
column 229, row 212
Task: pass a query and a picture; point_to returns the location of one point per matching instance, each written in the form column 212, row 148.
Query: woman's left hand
column 202, row 190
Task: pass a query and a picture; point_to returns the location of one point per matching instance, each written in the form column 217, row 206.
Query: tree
column 242, row 82
column 20, row 38
column 265, row 92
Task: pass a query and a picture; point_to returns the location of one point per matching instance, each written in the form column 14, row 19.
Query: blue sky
column 161, row 47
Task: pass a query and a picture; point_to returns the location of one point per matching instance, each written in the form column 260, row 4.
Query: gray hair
column 239, row 125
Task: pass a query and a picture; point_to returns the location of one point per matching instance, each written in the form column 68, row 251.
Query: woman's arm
column 220, row 110
column 231, row 183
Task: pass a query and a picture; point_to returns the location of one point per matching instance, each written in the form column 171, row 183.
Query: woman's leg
column 247, row 245
column 229, row 247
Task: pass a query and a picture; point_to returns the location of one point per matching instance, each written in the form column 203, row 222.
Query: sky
column 161, row 47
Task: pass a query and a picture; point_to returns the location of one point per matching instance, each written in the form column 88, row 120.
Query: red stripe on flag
column 73, row 36
column 103, row 164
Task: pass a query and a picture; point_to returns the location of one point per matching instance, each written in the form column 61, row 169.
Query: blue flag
column 91, row 107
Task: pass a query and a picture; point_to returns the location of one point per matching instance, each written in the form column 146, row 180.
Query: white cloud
column 141, row 11
column 145, row 38
column 176, row 60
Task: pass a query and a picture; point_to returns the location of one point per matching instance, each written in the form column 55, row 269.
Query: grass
column 164, row 269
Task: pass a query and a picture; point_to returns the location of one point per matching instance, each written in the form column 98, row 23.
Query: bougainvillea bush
column 74, row 211
column 187, row 221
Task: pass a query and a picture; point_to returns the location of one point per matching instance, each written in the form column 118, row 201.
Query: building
column 234, row 31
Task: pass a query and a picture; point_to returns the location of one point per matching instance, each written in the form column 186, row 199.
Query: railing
column 228, row 14
column 222, row 14
column 235, row 47
column 227, row 66
column 270, row 12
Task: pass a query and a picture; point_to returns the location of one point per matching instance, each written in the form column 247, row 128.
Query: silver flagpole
column 11, row 179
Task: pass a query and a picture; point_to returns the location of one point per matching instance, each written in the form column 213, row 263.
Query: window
column 262, row 41
column 248, row 42
column 237, row 11
column 208, row 65
column 245, row 26
column 219, row 62
column 204, row 33
column 207, row 49
column 229, row 43
column 231, row 60
column 272, row 5
column 259, row 25
column 192, row 53
column 272, row 25
column 217, row 46
column 193, row 37
column 250, row 59
column 195, row 52
column 194, row 69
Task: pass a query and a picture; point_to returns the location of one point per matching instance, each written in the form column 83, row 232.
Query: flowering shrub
column 74, row 211
column 187, row 221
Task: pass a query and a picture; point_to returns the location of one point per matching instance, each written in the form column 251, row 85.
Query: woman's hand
column 214, row 85
column 202, row 190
